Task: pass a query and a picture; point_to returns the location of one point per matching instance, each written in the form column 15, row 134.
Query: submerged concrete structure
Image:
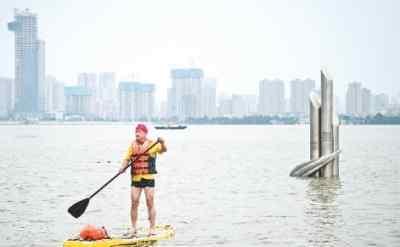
column 324, row 135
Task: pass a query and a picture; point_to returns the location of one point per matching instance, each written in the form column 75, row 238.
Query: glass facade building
column 29, row 62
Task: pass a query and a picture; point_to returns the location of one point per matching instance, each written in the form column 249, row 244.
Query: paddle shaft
column 119, row 173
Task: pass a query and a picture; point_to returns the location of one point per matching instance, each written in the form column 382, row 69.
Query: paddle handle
column 119, row 173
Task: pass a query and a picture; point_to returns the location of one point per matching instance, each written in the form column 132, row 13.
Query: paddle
column 79, row 208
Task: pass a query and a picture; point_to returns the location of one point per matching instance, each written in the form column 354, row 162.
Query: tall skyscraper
column 162, row 110
column 380, row 103
column 5, row 97
column 185, row 94
column 29, row 62
column 107, row 86
column 299, row 94
column 354, row 99
column 365, row 102
column 48, row 90
column 239, row 107
column 209, row 98
column 224, row 106
column 43, row 87
column 397, row 96
column 171, row 103
column 244, row 105
column 89, row 81
column 394, row 105
column 107, row 96
column 58, row 96
column 271, row 100
column 77, row 101
column 52, row 98
column 136, row 101
column 252, row 103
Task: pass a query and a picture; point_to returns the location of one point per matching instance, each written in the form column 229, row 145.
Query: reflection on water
column 322, row 212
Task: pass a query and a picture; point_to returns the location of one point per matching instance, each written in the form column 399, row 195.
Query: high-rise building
column 107, row 86
column 185, row 94
column 299, row 94
column 209, row 98
column 271, row 100
column 77, row 101
column 224, row 106
column 163, row 110
column 136, row 101
column 243, row 105
column 89, row 81
column 239, row 107
column 58, row 94
column 43, row 87
column 365, row 102
column 48, row 90
column 394, row 105
column 397, row 96
column 171, row 103
column 29, row 62
column 380, row 103
column 354, row 99
column 52, row 98
column 5, row 97
column 107, row 96
column 252, row 103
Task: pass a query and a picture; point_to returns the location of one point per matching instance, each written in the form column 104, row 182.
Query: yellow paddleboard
column 163, row 232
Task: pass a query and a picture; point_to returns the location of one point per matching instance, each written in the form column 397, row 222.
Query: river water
column 217, row 185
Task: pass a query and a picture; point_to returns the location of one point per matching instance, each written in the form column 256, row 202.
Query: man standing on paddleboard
column 143, row 171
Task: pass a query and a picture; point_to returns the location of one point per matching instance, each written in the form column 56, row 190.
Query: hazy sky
column 237, row 42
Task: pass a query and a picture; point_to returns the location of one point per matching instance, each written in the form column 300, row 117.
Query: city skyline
column 191, row 95
column 252, row 61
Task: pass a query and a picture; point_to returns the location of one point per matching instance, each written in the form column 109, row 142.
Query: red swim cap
column 141, row 127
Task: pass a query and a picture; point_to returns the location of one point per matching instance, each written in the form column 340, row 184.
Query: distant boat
column 170, row 127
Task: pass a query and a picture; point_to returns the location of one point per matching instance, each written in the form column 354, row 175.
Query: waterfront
column 226, row 185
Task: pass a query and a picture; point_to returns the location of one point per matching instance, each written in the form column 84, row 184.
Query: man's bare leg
column 149, row 192
column 135, row 199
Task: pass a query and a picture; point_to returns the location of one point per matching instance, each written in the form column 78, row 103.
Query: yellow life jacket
column 145, row 163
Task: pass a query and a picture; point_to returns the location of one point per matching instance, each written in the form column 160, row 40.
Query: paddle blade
column 79, row 208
